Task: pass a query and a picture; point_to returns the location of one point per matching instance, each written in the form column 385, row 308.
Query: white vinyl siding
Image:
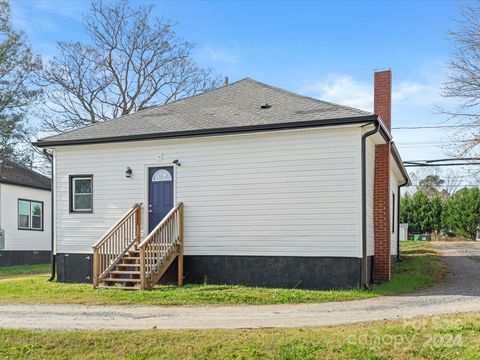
column 283, row 193
column 19, row 239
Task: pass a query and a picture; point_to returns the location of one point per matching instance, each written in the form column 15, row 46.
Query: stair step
column 126, row 272
column 120, row 280
column 118, row 287
column 128, row 265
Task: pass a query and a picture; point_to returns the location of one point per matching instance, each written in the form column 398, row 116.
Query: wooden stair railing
column 115, row 243
column 161, row 247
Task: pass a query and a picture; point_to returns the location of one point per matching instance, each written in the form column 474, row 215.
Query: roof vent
column 266, row 106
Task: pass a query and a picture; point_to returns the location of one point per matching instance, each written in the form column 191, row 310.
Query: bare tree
column 132, row 62
column 435, row 180
column 463, row 83
column 453, row 182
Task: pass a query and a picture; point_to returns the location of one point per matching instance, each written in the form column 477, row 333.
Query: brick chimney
column 382, row 104
column 382, row 98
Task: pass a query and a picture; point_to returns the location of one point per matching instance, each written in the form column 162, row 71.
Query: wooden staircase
column 122, row 261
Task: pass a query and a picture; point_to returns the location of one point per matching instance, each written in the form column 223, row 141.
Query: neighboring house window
column 30, row 215
column 81, row 193
column 393, row 212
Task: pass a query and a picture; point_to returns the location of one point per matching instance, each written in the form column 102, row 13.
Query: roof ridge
column 178, row 112
column 4, row 160
column 14, row 173
column 306, row 97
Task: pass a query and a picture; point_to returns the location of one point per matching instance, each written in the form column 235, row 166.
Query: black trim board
column 399, row 162
column 24, row 257
column 217, row 131
column 266, row 271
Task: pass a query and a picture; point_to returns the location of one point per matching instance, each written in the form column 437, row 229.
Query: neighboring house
column 278, row 189
column 25, row 215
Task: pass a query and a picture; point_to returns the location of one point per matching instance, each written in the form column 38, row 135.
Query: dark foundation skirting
column 23, row 257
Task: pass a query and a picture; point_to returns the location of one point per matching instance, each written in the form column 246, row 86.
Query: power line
column 433, row 142
column 424, row 144
column 432, row 127
column 455, row 186
column 440, row 165
column 460, row 161
column 453, row 159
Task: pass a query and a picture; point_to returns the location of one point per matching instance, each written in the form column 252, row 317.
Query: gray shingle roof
column 13, row 173
column 233, row 106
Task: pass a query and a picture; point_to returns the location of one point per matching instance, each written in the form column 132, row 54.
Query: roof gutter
column 399, row 162
column 217, row 131
column 364, row 266
column 403, row 170
column 52, row 205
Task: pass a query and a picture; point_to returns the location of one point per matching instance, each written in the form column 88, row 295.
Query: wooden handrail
column 160, row 224
column 116, row 242
column 116, row 225
column 160, row 248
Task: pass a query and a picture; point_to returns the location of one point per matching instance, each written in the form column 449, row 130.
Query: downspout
column 398, row 220
column 52, row 252
column 364, row 270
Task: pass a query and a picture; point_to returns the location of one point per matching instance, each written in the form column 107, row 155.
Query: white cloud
column 221, row 55
column 32, row 16
column 69, row 9
column 345, row 90
column 341, row 89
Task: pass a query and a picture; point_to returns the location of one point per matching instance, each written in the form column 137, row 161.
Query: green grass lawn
column 23, row 270
column 422, row 268
column 445, row 337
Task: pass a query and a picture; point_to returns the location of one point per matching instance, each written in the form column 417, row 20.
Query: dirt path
column 459, row 293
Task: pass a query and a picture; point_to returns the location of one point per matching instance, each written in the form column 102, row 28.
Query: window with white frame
column 81, row 193
column 30, row 215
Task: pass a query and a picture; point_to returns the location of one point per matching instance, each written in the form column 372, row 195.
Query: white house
column 278, row 190
column 25, row 215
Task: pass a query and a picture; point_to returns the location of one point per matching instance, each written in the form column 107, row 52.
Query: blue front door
column 160, row 194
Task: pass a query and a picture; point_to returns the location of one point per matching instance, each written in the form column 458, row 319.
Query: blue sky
column 324, row 49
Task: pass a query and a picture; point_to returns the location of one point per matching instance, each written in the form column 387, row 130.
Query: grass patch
column 445, row 337
column 37, row 290
column 23, row 270
column 419, row 270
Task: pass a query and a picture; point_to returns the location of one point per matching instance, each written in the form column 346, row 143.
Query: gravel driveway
column 459, row 293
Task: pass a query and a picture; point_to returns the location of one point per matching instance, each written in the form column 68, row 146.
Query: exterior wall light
column 128, row 172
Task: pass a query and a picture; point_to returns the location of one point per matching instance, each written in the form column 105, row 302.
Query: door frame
column 145, row 221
